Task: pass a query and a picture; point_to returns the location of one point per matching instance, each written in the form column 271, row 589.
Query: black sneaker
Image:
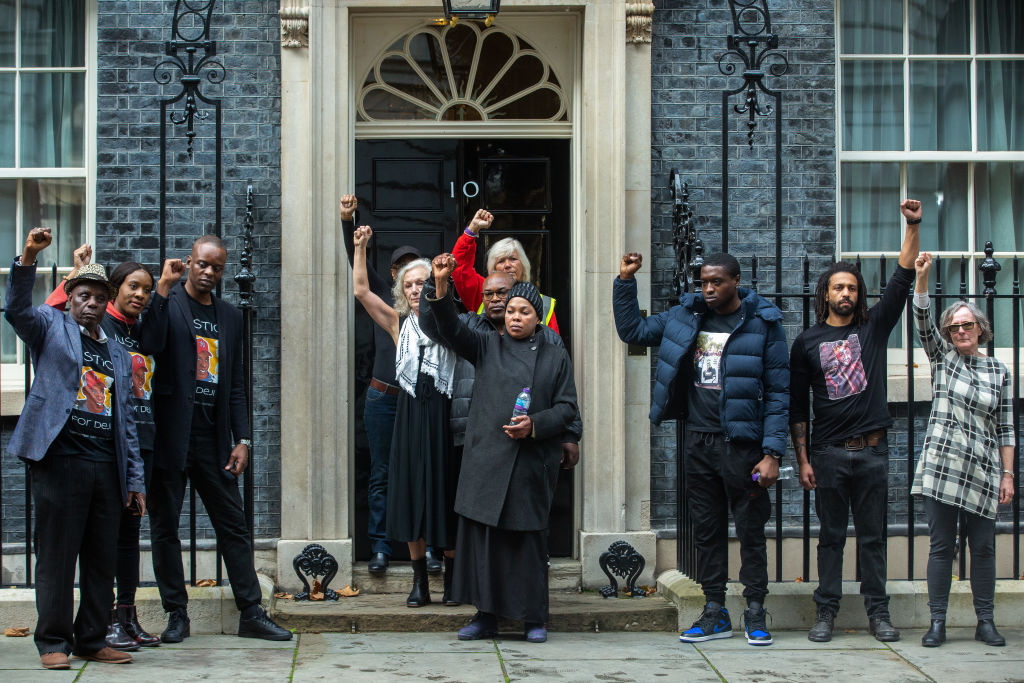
column 713, row 624
column 824, row 622
column 754, row 625
column 263, row 627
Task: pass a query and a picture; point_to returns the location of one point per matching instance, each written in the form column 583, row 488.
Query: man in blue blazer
column 723, row 371
column 77, row 432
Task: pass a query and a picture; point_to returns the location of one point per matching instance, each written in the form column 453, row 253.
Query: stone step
column 564, row 575
column 569, row 610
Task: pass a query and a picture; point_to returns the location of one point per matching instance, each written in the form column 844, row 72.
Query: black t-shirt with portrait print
column 207, row 336
column 703, row 413
column 89, row 431
column 143, row 367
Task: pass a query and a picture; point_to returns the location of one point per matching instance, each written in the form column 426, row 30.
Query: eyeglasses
column 498, row 294
column 965, row 326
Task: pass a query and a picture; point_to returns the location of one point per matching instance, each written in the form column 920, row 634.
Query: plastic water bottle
column 522, row 404
column 784, row 473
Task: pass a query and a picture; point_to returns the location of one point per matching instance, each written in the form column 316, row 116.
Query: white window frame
column 12, row 375
column 897, row 357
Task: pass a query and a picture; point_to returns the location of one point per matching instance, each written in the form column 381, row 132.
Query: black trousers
column 717, row 480
column 856, row 481
column 218, row 490
column 981, row 533
column 128, row 545
column 77, row 506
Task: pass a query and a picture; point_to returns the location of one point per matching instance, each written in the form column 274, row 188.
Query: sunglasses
column 966, row 327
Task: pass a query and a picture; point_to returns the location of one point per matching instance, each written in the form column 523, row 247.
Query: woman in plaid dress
column 967, row 459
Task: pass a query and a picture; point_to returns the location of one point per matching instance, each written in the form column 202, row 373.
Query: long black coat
column 509, row 483
column 174, row 382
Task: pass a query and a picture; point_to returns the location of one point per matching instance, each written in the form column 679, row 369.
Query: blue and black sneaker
column 714, row 623
column 754, row 625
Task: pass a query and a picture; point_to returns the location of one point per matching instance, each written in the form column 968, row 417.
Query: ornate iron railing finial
column 684, row 233
column 245, row 277
column 989, row 267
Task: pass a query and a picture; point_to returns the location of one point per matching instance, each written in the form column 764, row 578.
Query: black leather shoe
column 178, row 626
column 129, row 618
column 824, row 622
column 449, row 572
column 936, row 634
column 987, row 633
column 117, row 637
column 263, row 627
column 420, row 593
column 378, row 563
column 882, row 630
column 433, row 562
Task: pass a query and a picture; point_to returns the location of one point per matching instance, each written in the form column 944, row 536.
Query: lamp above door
column 470, row 9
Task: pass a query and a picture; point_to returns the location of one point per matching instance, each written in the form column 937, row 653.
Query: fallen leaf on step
column 16, row 632
column 798, row 579
column 283, row 596
column 316, row 596
column 205, row 583
column 348, row 592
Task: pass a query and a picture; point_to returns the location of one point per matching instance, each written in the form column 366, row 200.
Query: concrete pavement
column 617, row 657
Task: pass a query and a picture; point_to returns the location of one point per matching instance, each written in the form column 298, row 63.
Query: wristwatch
column 777, row 456
column 245, row 442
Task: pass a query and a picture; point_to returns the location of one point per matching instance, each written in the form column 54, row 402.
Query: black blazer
column 174, row 382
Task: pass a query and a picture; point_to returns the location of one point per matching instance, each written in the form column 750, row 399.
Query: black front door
column 423, row 193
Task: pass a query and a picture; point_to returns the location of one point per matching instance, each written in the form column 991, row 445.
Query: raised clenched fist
column 630, row 263
column 481, row 221
column 362, row 236
column 347, row 206
column 911, row 210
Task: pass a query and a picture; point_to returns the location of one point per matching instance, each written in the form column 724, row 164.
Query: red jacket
column 470, row 284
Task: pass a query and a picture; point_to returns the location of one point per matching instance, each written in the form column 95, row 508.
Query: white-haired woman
column 421, row 479
column 505, row 255
column 966, row 463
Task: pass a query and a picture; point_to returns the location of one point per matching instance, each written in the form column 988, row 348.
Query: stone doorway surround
column 611, row 209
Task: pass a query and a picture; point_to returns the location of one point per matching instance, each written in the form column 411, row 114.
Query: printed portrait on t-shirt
column 142, row 375
column 207, row 368
column 94, row 393
column 707, row 359
column 843, row 368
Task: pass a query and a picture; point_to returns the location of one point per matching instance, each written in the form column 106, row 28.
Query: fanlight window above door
column 465, row 72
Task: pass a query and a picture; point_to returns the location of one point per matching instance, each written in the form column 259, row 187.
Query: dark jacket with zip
column 754, row 401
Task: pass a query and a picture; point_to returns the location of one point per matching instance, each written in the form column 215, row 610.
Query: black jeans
column 717, row 479
column 857, row 481
column 981, row 533
column 218, row 490
column 77, row 505
column 128, row 545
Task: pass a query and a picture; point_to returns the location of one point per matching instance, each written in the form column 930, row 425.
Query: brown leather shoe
column 108, row 655
column 55, row 660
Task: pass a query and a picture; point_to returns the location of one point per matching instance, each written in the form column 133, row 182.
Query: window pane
column 940, row 115
column 942, row 189
column 7, row 119
column 58, row 204
column 999, row 205
column 872, row 105
column 8, row 340
column 939, row 27
column 999, row 27
column 872, row 27
column 52, row 119
column 7, row 14
column 871, row 270
column 871, row 207
column 9, row 246
column 1000, row 105
column 52, row 33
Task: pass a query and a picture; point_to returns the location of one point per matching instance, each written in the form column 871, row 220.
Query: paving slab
column 598, row 646
column 170, row 664
column 19, row 661
column 962, row 659
column 227, row 642
column 767, row 665
column 610, row 670
column 445, row 667
column 373, row 643
column 793, row 640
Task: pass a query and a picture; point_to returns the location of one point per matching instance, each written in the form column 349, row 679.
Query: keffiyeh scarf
column 438, row 361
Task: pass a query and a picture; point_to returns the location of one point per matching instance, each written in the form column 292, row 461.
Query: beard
column 842, row 307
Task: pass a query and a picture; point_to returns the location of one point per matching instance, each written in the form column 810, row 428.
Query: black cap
column 403, row 251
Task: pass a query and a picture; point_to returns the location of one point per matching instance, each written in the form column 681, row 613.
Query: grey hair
column 947, row 317
column 505, row 247
column 398, row 291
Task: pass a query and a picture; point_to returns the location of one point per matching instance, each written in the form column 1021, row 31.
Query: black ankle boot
column 987, row 633
column 129, row 619
column 936, row 634
column 449, row 570
column 420, row 594
column 117, row 637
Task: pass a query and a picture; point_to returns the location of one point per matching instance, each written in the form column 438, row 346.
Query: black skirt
column 502, row 572
column 421, row 494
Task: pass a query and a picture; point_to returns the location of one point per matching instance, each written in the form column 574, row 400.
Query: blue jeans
column 379, row 420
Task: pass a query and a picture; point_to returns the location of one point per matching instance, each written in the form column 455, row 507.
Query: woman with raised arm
column 505, row 255
column 967, row 460
column 509, row 462
column 421, row 475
